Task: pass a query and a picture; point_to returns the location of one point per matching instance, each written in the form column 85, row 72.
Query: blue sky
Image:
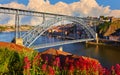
column 114, row 4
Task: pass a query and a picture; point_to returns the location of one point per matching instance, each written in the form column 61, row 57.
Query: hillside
column 113, row 27
column 5, row 28
column 107, row 28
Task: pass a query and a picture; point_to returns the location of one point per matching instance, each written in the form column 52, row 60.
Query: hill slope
column 108, row 28
column 113, row 27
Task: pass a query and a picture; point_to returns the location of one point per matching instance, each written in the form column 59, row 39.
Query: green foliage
column 108, row 28
column 103, row 27
column 104, row 18
column 31, row 63
column 2, row 28
column 8, row 61
column 11, row 62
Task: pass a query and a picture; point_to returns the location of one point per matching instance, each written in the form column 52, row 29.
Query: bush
column 33, row 63
column 11, row 62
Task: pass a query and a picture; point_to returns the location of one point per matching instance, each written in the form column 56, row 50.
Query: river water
column 107, row 55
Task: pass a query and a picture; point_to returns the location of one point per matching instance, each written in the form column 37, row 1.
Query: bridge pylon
column 97, row 39
column 61, row 48
column 18, row 41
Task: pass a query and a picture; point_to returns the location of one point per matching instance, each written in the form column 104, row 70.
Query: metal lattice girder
column 84, row 24
column 31, row 36
column 13, row 11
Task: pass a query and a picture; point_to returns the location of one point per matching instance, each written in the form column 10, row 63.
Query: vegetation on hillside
column 11, row 62
column 12, row 28
column 103, row 27
column 115, row 25
column 108, row 28
column 33, row 63
column 2, row 28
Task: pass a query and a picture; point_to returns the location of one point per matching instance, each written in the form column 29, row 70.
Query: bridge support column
column 18, row 41
column 97, row 39
column 43, row 18
column 61, row 48
column 86, row 41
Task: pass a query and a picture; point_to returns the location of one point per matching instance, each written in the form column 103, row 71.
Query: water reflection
column 107, row 55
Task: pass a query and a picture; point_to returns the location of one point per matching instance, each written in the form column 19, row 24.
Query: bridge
column 32, row 35
column 59, row 43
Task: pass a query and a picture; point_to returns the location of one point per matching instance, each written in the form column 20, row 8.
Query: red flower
column 66, row 60
column 27, row 63
column 44, row 67
column 51, row 71
column 112, row 68
column 77, row 64
column 57, row 62
column 71, row 68
column 46, row 59
column 71, row 61
column 117, row 69
column 26, row 66
column 107, row 72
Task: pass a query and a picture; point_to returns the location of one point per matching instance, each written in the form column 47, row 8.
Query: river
column 107, row 55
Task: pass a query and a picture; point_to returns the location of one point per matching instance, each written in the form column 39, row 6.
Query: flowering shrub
column 26, row 66
column 12, row 63
column 67, row 65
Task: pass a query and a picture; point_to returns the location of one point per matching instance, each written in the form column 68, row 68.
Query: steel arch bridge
column 32, row 35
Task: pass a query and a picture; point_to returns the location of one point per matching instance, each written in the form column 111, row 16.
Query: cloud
column 11, row 17
column 13, row 5
column 81, row 8
column 89, row 8
column 115, row 13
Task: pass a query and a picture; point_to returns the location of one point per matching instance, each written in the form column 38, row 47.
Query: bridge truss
column 32, row 35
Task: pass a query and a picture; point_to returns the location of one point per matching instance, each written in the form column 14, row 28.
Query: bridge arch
column 31, row 36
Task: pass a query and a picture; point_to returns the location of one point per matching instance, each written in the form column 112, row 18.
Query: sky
column 79, row 8
column 114, row 4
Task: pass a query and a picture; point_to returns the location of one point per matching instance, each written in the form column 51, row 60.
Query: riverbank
column 105, row 42
column 4, row 28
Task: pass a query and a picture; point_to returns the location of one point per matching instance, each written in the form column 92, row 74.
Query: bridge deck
column 59, row 43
